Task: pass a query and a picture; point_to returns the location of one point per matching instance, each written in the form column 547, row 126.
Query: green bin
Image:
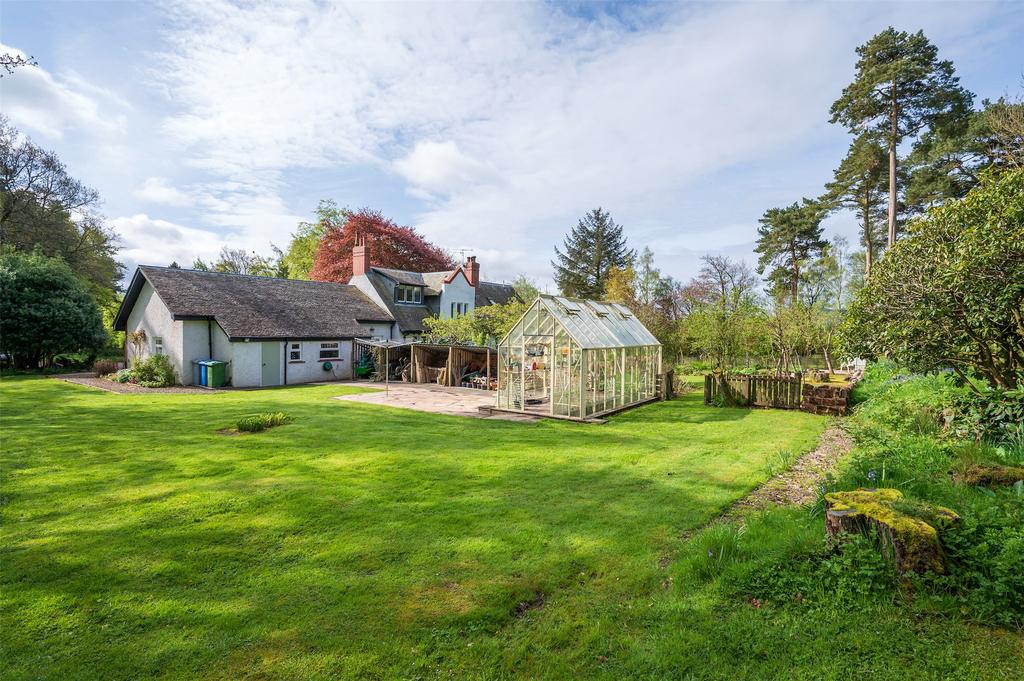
column 215, row 374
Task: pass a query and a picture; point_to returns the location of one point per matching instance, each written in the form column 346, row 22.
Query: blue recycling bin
column 203, row 371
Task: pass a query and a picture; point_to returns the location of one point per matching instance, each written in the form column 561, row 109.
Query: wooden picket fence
column 776, row 392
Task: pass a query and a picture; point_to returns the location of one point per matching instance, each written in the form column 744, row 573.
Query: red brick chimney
column 360, row 257
column 471, row 268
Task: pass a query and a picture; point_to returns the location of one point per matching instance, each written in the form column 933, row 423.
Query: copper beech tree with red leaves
column 390, row 245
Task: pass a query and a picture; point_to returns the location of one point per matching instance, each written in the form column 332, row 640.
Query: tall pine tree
column 949, row 158
column 788, row 239
column 593, row 248
column 859, row 185
column 900, row 88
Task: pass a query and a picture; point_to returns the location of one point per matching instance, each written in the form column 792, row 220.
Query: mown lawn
column 366, row 542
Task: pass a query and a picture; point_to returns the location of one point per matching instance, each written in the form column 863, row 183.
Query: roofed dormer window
column 404, row 293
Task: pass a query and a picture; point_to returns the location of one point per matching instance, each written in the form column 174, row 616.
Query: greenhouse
column 576, row 359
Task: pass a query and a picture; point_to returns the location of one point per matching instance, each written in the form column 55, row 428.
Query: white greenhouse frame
column 576, row 359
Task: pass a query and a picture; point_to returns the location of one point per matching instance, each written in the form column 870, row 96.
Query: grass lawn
column 367, row 542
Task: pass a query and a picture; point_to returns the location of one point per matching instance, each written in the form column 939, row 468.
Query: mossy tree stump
column 907, row 531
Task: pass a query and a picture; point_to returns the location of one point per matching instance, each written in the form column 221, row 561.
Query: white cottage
column 411, row 297
column 284, row 331
column 269, row 331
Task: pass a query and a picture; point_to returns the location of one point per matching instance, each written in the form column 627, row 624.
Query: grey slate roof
column 258, row 307
column 431, row 281
column 490, row 293
column 409, row 317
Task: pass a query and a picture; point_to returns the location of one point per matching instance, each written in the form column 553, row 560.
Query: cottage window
column 158, row 345
column 295, row 352
column 459, row 309
column 330, row 351
column 405, row 293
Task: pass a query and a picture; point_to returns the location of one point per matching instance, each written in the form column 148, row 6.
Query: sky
column 490, row 127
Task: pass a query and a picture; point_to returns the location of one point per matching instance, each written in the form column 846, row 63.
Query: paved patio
column 433, row 398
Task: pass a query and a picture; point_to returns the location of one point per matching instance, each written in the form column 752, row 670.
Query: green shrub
column 45, row 311
column 259, row 422
column 124, row 376
column 949, row 294
column 154, row 372
column 996, row 415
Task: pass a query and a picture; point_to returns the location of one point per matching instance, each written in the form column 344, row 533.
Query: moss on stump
column 907, row 531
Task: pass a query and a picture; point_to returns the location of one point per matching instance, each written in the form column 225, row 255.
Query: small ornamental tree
column 483, row 326
column 45, row 311
column 952, row 293
column 390, row 245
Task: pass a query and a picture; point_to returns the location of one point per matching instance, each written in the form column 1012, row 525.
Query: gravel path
column 795, row 486
column 93, row 381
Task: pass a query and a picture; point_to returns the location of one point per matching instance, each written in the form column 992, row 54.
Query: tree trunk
column 869, row 242
column 911, row 542
column 828, row 356
column 796, row 276
column 893, row 132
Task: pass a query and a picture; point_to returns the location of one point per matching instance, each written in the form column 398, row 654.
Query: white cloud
column 151, row 241
column 37, row 100
column 510, row 120
column 158, row 190
column 441, row 168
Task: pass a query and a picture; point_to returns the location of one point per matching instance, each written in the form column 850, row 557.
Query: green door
column 271, row 364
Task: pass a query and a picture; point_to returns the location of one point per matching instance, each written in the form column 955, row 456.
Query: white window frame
column 408, row 294
column 330, row 347
column 459, row 309
column 294, row 352
column 158, row 345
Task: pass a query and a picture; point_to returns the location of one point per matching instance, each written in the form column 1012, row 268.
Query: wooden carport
column 452, row 365
column 473, row 366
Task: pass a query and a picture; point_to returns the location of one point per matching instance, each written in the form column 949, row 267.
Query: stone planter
column 830, row 400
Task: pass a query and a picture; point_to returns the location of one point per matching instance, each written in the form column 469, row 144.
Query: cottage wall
column 151, row 315
column 223, row 350
column 311, row 369
column 246, row 364
column 197, row 335
column 458, row 291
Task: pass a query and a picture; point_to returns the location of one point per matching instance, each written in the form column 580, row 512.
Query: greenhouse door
column 536, row 384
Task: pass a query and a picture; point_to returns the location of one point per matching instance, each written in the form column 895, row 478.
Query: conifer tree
column 860, row 185
column 593, row 248
column 900, row 88
column 789, row 238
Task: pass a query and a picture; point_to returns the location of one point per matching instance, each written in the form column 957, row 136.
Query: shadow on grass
column 355, row 541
